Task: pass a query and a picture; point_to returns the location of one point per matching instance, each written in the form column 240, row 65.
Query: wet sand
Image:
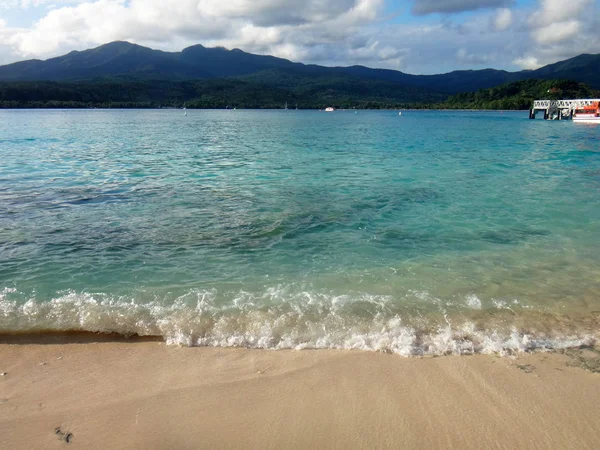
column 104, row 392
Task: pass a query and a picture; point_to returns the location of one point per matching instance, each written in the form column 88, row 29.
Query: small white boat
column 587, row 114
column 329, row 109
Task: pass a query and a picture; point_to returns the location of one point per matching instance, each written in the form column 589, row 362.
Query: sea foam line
column 304, row 321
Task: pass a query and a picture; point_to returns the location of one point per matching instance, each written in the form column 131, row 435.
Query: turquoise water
column 426, row 233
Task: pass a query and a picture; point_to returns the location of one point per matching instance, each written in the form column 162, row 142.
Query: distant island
column 124, row 75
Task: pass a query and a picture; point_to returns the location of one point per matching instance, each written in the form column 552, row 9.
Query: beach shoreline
column 105, row 391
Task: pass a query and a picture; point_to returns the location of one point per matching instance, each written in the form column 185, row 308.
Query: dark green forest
column 274, row 92
column 520, row 95
column 306, row 93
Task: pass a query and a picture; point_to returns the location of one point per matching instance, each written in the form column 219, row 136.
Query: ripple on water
column 134, row 222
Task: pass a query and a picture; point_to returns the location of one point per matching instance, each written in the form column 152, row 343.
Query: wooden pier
column 559, row 109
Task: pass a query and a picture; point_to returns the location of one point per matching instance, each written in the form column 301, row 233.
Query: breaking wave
column 280, row 319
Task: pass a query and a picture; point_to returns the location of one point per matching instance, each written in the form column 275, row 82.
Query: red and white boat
column 587, row 114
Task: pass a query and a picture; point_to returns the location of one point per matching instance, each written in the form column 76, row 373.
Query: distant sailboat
column 184, row 110
column 296, row 106
column 286, row 106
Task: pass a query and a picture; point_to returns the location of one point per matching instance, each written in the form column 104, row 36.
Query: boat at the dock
column 587, row 114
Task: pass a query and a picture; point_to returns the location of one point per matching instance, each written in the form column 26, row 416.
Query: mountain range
column 121, row 74
column 128, row 61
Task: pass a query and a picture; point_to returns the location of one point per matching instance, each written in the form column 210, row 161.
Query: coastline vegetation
column 520, row 95
column 340, row 92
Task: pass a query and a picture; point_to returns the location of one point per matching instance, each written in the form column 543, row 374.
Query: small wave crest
column 279, row 319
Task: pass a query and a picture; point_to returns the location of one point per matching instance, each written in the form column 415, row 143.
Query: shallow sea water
column 426, row 233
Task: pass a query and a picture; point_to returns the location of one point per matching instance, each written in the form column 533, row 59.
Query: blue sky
column 416, row 36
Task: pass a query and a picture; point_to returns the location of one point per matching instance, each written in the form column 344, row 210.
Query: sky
column 414, row 36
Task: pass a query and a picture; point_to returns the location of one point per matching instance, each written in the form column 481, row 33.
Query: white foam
column 278, row 318
column 473, row 301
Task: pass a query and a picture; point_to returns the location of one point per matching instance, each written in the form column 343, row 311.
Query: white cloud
column 423, row 7
column 284, row 28
column 527, row 62
column 71, row 27
column 503, row 19
column 25, row 4
column 555, row 33
column 334, row 32
column 466, row 58
column 560, row 30
column 276, row 12
column 558, row 20
column 553, row 12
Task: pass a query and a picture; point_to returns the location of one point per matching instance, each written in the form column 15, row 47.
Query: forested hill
column 520, row 95
column 132, row 62
column 121, row 74
column 314, row 93
column 318, row 93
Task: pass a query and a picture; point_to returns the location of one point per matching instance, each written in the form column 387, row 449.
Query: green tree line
column 275, row 92
column 520, row 95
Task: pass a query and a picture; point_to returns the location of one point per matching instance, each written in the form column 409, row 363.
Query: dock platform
column 559, row 109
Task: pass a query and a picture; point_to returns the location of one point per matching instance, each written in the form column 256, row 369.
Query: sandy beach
column 94, row 392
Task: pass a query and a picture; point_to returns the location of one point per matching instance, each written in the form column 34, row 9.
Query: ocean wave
column 279, row 319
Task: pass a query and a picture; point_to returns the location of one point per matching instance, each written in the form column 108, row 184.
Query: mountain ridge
column 125, row 60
